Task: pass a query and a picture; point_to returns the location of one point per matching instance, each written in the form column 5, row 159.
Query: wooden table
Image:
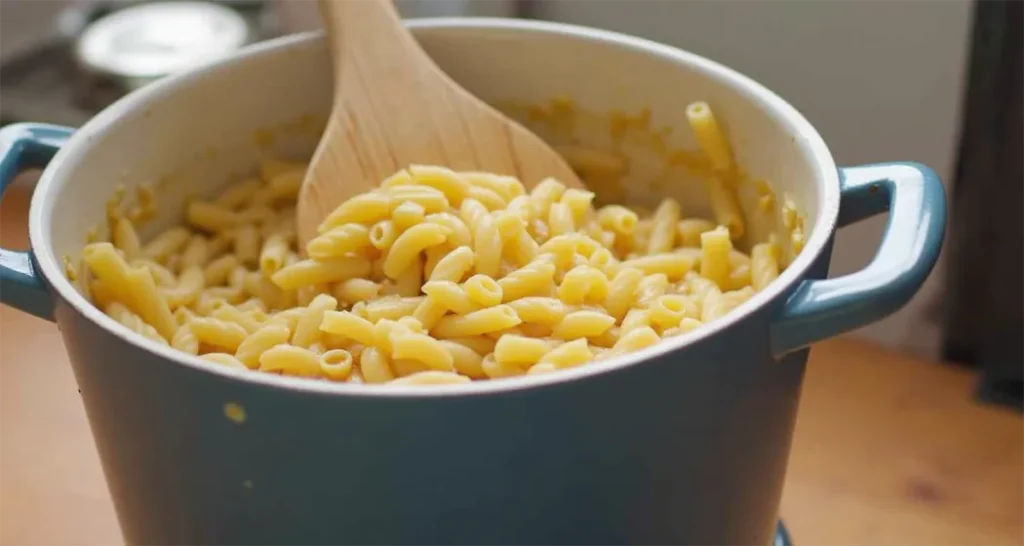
column 888, row 449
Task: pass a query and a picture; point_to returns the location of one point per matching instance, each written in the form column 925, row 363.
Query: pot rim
column 807, row 138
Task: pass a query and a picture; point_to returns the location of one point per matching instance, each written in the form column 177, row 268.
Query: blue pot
column 683, row 442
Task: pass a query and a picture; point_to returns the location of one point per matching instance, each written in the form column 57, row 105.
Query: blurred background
column 932, row 81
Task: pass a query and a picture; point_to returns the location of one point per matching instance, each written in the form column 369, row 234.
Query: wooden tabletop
column 888, row 449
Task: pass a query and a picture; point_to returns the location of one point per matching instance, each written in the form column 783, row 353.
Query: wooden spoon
column 394, row 107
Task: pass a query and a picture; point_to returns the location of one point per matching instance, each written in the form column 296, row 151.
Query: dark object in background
column 47, row 84
column 43, row 82
column 983, row 317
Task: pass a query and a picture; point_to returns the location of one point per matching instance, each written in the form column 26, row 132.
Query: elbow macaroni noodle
column 436, row 277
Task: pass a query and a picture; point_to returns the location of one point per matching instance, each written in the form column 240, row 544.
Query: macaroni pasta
column 435, row 277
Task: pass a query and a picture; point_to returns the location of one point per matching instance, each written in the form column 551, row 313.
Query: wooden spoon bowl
column 394, row 107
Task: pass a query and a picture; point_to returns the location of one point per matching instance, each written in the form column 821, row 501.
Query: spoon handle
column 367, row 25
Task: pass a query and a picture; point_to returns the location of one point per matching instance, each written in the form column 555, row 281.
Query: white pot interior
column 195, row 133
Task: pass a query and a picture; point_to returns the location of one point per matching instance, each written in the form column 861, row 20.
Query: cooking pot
column 683, row 442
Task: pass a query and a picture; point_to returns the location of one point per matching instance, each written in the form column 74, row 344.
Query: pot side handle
column 25, row 145
column 914, row 197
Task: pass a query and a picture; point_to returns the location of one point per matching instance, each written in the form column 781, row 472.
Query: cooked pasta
column 437, row 276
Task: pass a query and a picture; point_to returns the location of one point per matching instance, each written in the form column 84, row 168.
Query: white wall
column 881, row 80
column 451, row 8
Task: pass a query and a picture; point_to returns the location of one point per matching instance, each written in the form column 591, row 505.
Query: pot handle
column 25, row 145
column 914, row 197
